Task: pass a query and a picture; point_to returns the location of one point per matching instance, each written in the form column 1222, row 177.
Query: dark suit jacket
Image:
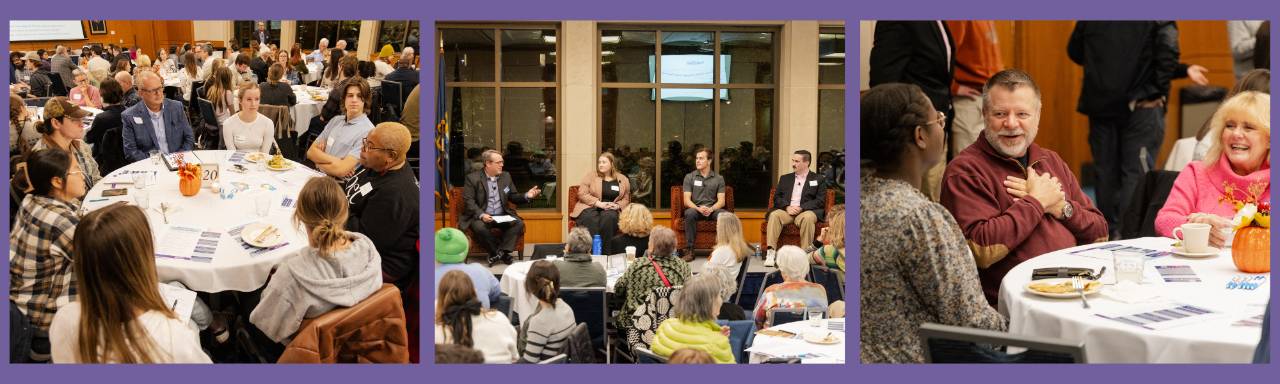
column 812, row 198
column 259, row 67
column 476, row 196
column 913, row 52
column 1124, row 61
column 140, row 138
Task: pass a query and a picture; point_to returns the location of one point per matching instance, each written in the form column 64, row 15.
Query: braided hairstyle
column 890, row 114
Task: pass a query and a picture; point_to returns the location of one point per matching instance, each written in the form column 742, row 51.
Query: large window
column 831, row 149
column 310, row 33
column 665, row 93
column 399, row 34
column 501, row 93
column 246, row 30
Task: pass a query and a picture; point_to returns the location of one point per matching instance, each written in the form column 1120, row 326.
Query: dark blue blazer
column 140, row 136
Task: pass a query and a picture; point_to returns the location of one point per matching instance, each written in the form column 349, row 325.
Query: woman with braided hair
column 544, row 333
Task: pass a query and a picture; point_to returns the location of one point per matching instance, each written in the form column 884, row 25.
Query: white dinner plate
column 1097, row 288
column 824, row 338
column 250, row 235
column 1197, row 255
column 287, row 166
column 256, row 157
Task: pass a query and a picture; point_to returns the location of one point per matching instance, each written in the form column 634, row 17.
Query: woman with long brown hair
column 219, row 93
column 461, row 320
column 338, row 268
column 120, row 316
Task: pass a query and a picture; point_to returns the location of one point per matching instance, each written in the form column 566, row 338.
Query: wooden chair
column 791, row 232
column 573, row 199
column 455, row 212
column 706, row 228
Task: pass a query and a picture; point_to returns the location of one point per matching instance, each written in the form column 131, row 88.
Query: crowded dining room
column 213, row 191
column 1090, row 191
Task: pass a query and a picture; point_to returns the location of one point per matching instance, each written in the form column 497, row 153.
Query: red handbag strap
column 665, row 282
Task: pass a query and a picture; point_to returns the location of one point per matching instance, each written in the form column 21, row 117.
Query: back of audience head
column 457, row 354
column 322, row 210
column 111, row 92
column 275, row 73
column 890, row 116
column 1258, row 80
column 635, row 220
column 699, row 300
column 116, row 278
column 579, row 242
column 690, row 356
column 662, row 242
column 543, row 282
column 835, row 229
column 729, row 233
column 456, row 303
column 793, row 263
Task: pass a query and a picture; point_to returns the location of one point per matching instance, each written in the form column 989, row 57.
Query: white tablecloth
column 306, row 107
column 765, row 347
column 512, row 282
column 232, row 268
column 313, row 73
column 1215, row 340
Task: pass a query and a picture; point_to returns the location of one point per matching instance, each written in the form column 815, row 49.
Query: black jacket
column 812, row 198
column 385, row 208
column 475, row 196
column 407, row 77
column 259, row 68
column 1124, row 61
column 913, row 52
column 106, row 137
column 278, row 94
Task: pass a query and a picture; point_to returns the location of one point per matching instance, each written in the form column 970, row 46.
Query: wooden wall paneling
column 1205, row 43
column 1041, row 50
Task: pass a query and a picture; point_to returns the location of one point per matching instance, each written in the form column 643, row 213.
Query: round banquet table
column 307, row 107
column 512, row 282
column 233, row 267
column 1218, row 338
column 765, row 346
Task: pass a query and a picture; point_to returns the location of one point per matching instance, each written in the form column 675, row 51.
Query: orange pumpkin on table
column 1251, row 246
column 189, row 179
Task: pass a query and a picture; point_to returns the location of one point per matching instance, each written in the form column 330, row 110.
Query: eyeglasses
column 366, row 144
column 151, row 91
column 942, row 119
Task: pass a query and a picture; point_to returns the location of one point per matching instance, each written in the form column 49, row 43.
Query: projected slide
column 37, row 30
column 690, row 69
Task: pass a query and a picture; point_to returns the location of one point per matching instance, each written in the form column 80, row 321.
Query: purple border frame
column 849, row 10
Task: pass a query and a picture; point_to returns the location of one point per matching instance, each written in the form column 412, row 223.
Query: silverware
column 1078, row 283
column 1098, row 276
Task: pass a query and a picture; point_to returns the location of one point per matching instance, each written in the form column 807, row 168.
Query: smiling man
column 1013, row 199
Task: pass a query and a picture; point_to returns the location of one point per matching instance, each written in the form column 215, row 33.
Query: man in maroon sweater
column 1013, row 199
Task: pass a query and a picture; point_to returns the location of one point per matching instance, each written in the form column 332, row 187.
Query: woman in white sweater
column 731, row 247
column 461, row 320
column 248, row 129
column 120, row 316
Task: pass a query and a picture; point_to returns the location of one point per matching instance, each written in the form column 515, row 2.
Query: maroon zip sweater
column 1003, row 232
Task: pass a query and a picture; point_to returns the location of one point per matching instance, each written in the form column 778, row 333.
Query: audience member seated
column 38, row 77
column 131, row 96
column 84, row 94
column 275, row 91
column 1254, row 80
column 545, row 333
column 830, row 252
column 799, row 199
column 108, row 149
column 220, row 92
column 694, row 325
column 660, row 267
column 242, row 73
column 1014, row 199
column 156, row 124
column 382, row 67
column 337, row 269
column 22, row 132
column 731, row 248
column 485, row 195
column 336, row 151
column 794, row 291
column 189, row 73
column 635, row 222
column 1236, row 169
column 249, row 130
column 577, row 269
column 99, row 67
column 404, row 73
column 703, row 197
column 690, row 356
column 40, row 274
column 63, row 128
column 451, row 255
column 384, row 202
column 457, row 354
column 120, row 316
column 601, row 196
column 916, row 266
column 728, row 286
column 461, row 320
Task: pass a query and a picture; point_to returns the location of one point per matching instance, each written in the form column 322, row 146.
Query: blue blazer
column 140, row 136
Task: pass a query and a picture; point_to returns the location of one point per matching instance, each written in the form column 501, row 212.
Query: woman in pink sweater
column 1237, row 168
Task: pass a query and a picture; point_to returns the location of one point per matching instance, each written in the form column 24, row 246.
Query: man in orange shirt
column 977, row 59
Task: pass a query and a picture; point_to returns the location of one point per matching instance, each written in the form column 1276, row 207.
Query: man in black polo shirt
column 703, row 198
column 383, row 197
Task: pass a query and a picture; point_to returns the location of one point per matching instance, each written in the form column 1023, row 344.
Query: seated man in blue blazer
column 141, row 135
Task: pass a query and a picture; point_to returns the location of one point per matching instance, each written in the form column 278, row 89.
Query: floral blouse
column 916, row 268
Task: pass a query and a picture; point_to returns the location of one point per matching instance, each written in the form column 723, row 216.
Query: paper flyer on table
column 171, row 159
column 180, row 301
column 1177, row 273
column 178, row 242
column 1103, row 251
column 1162, row 316
column 249, row 249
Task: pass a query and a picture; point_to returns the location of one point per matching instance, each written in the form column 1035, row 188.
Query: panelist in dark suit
column 486, row 194
column 800, row 198
column 141, row 135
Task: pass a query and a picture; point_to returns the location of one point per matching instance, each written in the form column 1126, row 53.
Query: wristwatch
column 1067, row 210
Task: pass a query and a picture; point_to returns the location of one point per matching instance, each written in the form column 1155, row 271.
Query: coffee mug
column 1195, row 237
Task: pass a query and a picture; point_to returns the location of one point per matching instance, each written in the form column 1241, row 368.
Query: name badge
column 365, row 189
column 813, row 183
column 77, row 96
column 697, row 183
column 329, row 144
column 615, row 188
column 137, row 120
column 506, row 190
column 239, row 138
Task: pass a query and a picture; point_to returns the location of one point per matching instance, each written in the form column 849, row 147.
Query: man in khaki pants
column 977, row 59
column 800, row 198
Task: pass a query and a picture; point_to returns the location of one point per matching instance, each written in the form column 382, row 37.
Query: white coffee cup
column 631, row 252
column 1195, row 237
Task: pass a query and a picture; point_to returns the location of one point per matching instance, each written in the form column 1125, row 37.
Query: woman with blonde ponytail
column 337, row 269
column 543, row 334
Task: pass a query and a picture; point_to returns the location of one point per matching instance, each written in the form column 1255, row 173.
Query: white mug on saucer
column 1195, row 237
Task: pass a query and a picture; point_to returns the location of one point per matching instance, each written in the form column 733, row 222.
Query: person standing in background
column 977, row 59
column 1243, row 35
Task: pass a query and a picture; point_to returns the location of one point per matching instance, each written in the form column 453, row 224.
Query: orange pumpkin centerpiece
column 188, row 177
column 1251, row 246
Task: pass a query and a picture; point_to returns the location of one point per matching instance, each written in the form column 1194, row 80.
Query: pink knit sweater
column 1199, row 187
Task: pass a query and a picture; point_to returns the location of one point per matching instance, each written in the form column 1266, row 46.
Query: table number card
column 209, row 174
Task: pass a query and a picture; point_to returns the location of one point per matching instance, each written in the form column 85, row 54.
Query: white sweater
column 492, row 334
column 252, row 136
column 176, row 341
